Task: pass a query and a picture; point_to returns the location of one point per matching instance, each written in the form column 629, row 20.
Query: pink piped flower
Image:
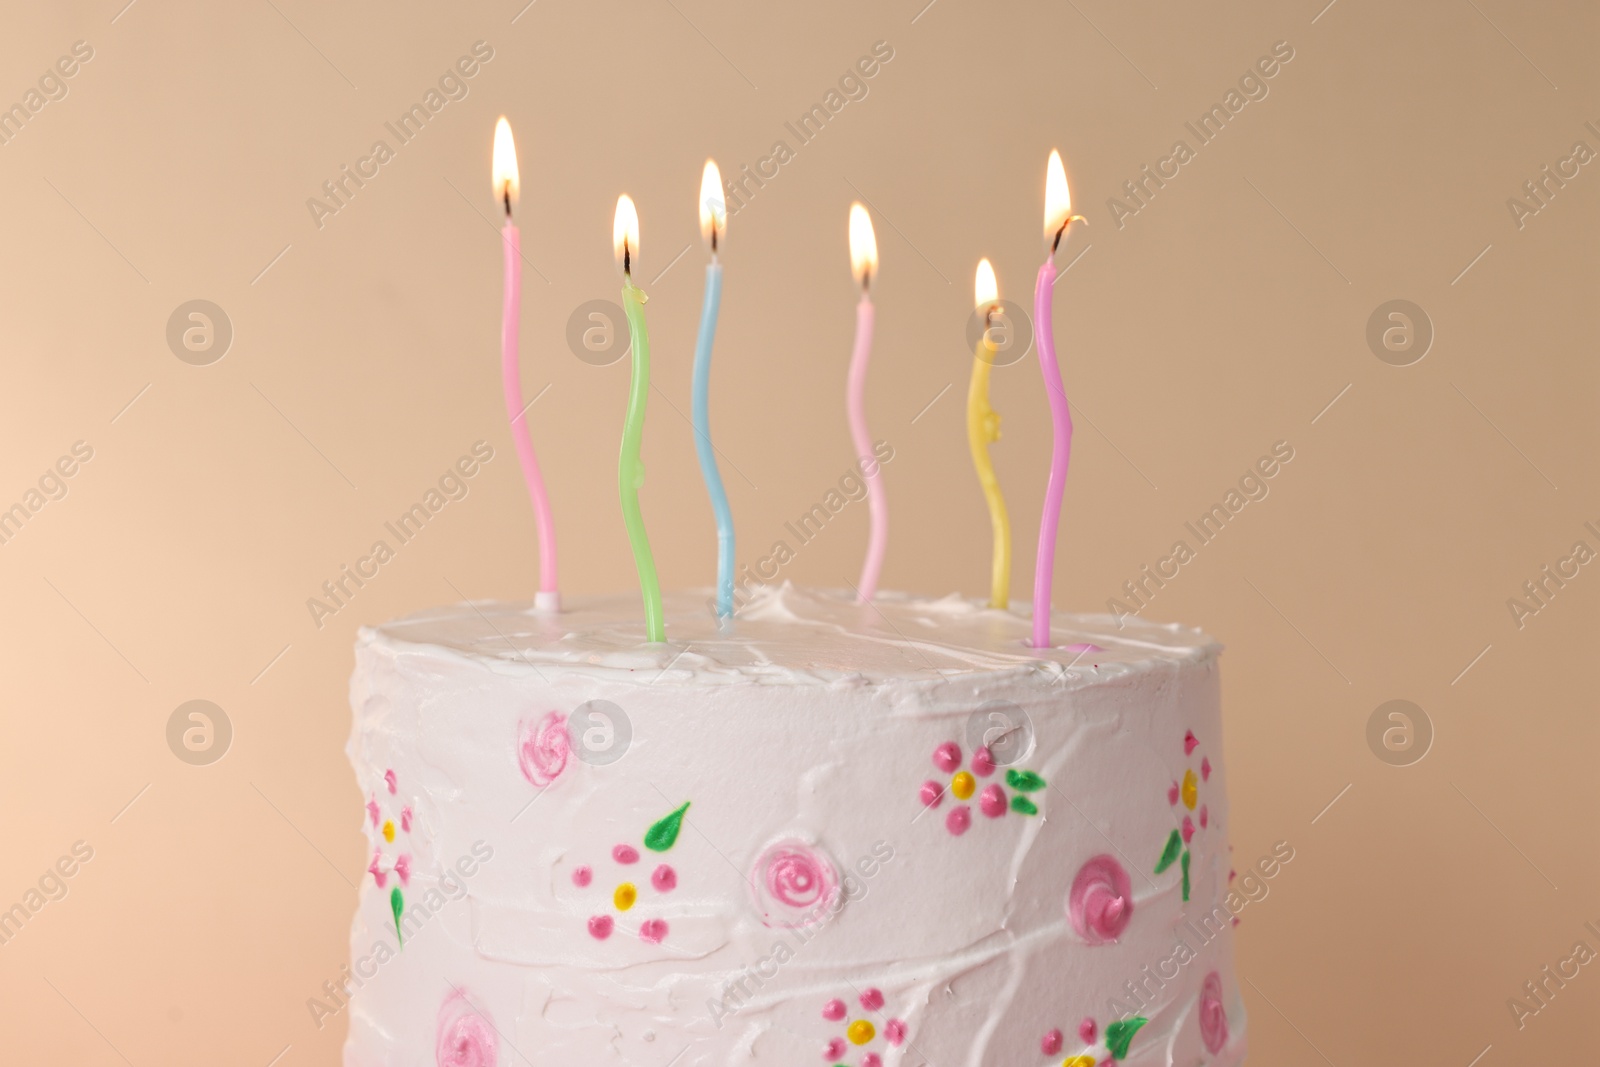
column 992, row 801
column 947, row 757
column 664, row 878
column 389, row 780
column 834, row 1010
column 582, row 876
column 1189, row 742
column 835, row 1049
column 378, row 873
column 894, row 1032
column 1213, row 1016
column 872, row 1059
column 1050, row 1043
column 402, row 869
column 1088, row 1031
column 600, row 926
column 1100, row 902
column 1188, row 829
column 625, row 854
column 983, row 762
column 405, row 818
column 932, row 794
column 1172, row 794
column 653, row 931
column 465, row 1037
column 543, row 749
column 872, row 999
column 1205, row 768
column 959, row 820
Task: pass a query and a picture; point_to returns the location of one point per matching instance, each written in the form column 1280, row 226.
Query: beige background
column 1225, row 316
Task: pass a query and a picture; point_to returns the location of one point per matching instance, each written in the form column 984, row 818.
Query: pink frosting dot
column 894, row 1032
column 1050, row 1043
column 378, row 874
column 1188, row 829
column 1189, row 742
column 388, row 779
column 582, row 876
column 872, row 1059
column 1172, row 794
column 625, row 854
column 1088, row 1031
column 664, row 878
column 1205, row 769
column 1205, row 818
column 983, row 762
column 653, row 931
column 405, row 818
column 992, row 801
column 1100, row 902
column 600, row 926
column 932, row 794
column 834, row 1010
column 835, row 1049
column 372, row 810
column 402, row 869
column 958, row 820
column 872, row 999
column 947, row 757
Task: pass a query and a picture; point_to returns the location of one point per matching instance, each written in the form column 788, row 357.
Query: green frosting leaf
column 1186, row 874
column 1119, row 1033
column 1024, row 806
column 1024, row 781
column 397, row 904
column 664, row 834
column 1169, row 855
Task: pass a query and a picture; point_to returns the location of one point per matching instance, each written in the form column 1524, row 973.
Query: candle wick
column 506, row 193
column 1057, row 243
column 713, row 240
column 627, row 259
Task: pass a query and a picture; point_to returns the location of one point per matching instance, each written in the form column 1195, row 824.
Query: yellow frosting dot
column 388, row 830
column 624, row 897
column 962, row 785
column 1191, row 790
column 1078, row 1061
column 860, row 1032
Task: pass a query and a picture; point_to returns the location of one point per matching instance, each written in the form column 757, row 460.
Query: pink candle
column 1057, row 217
column 506, row 188
column 864, row 263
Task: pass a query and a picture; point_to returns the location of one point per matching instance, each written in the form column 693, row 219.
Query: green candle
column 630, row 468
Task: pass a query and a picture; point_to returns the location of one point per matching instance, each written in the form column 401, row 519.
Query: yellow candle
column 983, row 429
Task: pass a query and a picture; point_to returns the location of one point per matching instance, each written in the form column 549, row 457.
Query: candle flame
column 625, row 234
column 985, row 290
column 713, row 208
column 1057, row 199
column 506, row 182
column 863, row 246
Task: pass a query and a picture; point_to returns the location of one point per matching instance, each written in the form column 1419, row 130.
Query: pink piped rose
column 1213, row 1016
column 466, row 1038
column 544, row 749
column 794, row 884
column 1100, row 902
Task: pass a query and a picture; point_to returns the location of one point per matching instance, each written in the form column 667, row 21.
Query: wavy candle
column 713, row 225
column 1057, row 217
column 506, row 188
column 630, row 467
column 863, row 265
column 983, row 430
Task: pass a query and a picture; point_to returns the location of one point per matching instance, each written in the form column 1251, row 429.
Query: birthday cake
column 823, row 832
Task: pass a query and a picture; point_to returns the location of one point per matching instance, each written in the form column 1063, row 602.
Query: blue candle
column 713, row 224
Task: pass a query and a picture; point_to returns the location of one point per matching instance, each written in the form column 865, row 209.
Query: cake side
column 893, row 837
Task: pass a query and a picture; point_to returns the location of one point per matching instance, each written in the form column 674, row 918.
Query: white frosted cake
column 825, row 833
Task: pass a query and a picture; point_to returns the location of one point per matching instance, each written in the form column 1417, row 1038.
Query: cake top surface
column 788, row 635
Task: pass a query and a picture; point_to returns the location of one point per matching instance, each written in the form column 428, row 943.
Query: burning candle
column 864, row 265
column 1057, row 217
column 983, row 429
column 630, row 468
column 506, row 188
column 713, row 227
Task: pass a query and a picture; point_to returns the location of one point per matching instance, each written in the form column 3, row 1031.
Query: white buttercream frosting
column 515, row 762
